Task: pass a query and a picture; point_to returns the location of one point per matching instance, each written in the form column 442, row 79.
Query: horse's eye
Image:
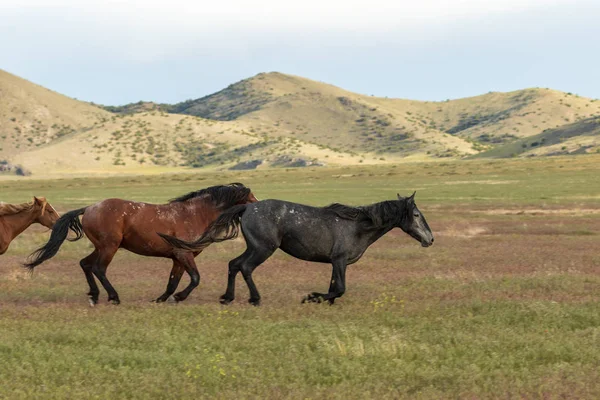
column 416, row 215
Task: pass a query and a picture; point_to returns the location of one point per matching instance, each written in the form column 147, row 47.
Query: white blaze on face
column 53, row 209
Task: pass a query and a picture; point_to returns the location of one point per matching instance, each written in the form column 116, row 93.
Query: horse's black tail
column 225, row 227
column 60, row 230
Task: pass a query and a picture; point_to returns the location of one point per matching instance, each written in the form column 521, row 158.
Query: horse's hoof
column 114, row 302
column 254, row 302
column 312, row 298
column 92, row 301
column 172, row 300
column 176, row 298
column 225, row 301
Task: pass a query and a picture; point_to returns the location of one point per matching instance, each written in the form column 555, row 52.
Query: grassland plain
column 506, row 304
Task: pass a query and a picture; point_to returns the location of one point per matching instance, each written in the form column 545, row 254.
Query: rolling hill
column 280, row 120
column 276, row 104
column 290, row 106
column 32, row 116
column 576, row 138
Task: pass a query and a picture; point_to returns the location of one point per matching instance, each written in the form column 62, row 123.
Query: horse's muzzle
column 427, row 244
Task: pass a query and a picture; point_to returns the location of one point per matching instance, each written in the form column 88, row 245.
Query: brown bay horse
column 15, row 218
column 114, row 223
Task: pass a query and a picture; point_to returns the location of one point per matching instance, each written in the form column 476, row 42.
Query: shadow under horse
column 115, row 223
column 335, row 234
column 15, row 218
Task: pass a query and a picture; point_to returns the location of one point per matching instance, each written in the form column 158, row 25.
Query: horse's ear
column 411, row 199
column 399, row 197
column 41, row 201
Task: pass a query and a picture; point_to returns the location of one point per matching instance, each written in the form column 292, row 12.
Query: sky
column 120, row 51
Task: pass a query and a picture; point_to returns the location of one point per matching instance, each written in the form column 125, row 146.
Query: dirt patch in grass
column 467, row 232
column 482, row 182
column 540, row 211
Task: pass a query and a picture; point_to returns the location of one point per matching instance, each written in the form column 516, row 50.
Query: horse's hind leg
column 174, row 279
column 246, row 263
column 187, row 260
column 86, row 265
column 234, row 268
column 104, row 258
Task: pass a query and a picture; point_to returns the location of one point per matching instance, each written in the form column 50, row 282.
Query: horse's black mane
column 372, row 216
column 223, row 196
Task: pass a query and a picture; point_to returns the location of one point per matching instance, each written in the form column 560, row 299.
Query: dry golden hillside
column 51, row 134
column 279, row 104
column 159, row 141
column 499, row 117
column 271, row 119
column 576, row 138
column 32, row 116
column 276, row 104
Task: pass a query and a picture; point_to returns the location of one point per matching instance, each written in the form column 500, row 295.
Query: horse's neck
column 17, row 223
column 388, row 222
column 205, row 208
column 374, row 235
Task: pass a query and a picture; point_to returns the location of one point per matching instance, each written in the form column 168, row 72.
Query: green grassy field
column 506, row 304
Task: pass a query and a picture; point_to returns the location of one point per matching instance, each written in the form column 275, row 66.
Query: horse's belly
column 305, row 250
column 145, row 243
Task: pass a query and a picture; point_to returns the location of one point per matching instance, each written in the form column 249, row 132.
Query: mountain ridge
column 274, row 116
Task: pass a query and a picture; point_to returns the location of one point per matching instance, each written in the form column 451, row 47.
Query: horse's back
column 303, row 231
column 134, row 224
column 287, row 213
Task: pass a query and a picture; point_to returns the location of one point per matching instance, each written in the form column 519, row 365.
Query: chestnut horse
column 15, row 218
column 114, row 223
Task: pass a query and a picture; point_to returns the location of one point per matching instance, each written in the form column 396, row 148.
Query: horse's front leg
column 337, row 286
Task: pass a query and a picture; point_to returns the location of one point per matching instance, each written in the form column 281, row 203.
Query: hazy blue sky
column 115, row 52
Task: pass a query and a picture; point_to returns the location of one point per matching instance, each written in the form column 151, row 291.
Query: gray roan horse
column 335, row 234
